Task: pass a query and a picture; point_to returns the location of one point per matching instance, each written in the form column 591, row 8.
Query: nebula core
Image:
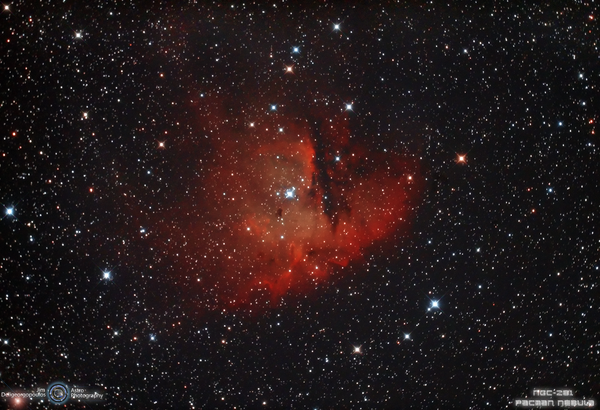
column 283, row 201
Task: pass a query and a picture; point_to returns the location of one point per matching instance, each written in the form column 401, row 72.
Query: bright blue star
column 273, row 107
column 106, row 275
column 10, row 211
column 290, row 193
column 296, row 50
column 435, row 304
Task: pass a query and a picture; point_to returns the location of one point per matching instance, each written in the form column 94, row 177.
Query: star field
column 285, row 205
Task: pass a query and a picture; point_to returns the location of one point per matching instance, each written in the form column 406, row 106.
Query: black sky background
column 508, row 242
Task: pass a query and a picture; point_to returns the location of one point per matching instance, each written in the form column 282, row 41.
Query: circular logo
column 58, row 393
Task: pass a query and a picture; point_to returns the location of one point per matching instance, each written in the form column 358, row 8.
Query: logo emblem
column 58, row 393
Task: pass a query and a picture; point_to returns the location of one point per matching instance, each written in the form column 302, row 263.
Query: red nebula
column 282, row 204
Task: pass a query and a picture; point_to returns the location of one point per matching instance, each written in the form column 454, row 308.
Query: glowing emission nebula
column 285, row 202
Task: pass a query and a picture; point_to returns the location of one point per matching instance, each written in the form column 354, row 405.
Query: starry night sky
column 326, row 205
